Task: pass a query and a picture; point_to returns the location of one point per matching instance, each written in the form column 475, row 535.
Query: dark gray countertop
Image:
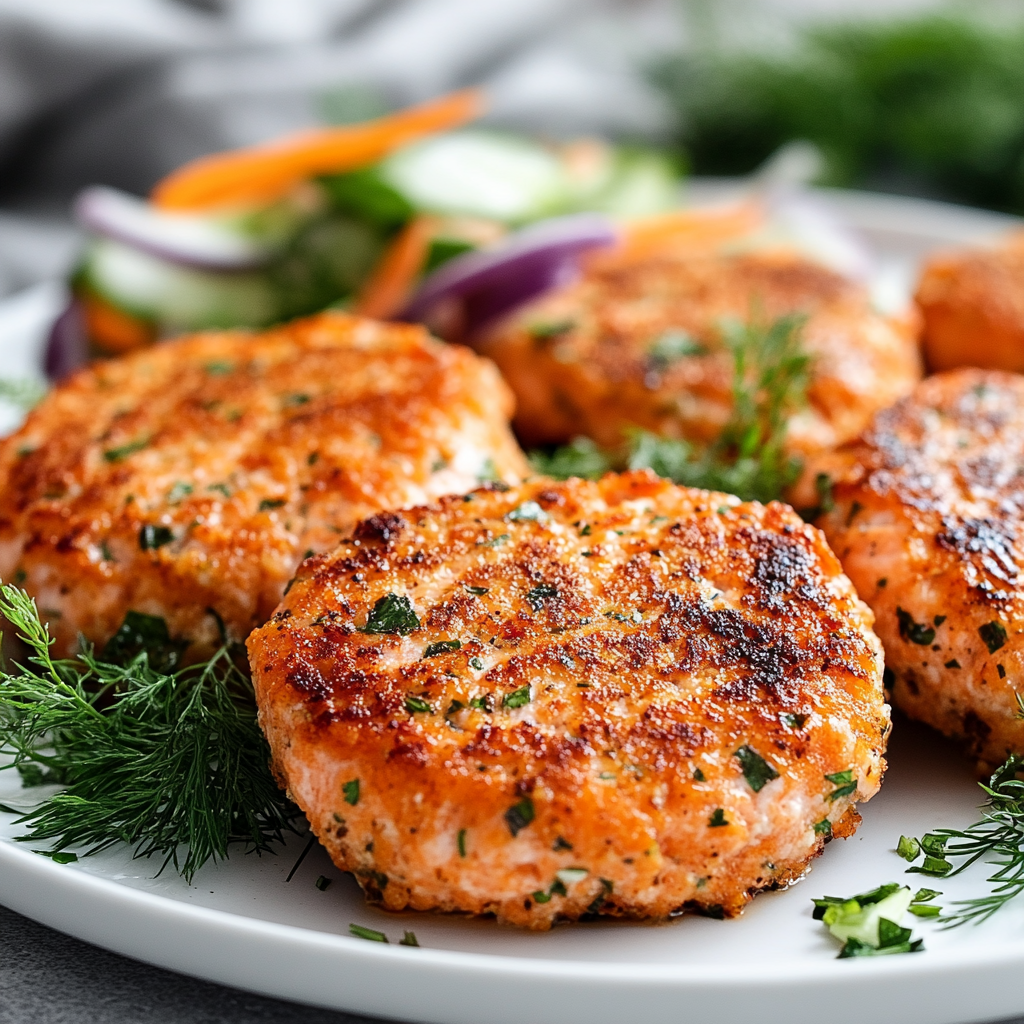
column 49, row 978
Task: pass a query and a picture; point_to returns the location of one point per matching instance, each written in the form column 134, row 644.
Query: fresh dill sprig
column 22, row 392
column 748, row 458
column 998, row 837
column 169, row 762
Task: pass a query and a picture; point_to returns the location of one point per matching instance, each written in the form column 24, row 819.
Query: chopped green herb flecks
column 698, row 775
column 844, row 782
column 351, row 791
column 908, row 848
column 717, row 819
column 461, row 841
column 153, row 536
column 519, row 815
column 561, row 843
column 823, row 828
column 756, row 770
column 220, row 489
column 540, row 896
column 441, row 647
column 672, row 346
column 537, row 595
column 121, row 452
column 994, row 635
column 322, row 882
column 58, row 856
column 417, row 705
column 488, row 473
column 371, row 934
column 869, row 924
column 476, row 664
column 477, row 591
column 179, row 492
column 268, row 504
column 409, row 939
column 393, row 613
column 914, row 632
column 527, row 512
column 607, row 886
column 517, row 698
column 552, row 329
column 218, row 368
column 794, row 721
column 495, row 542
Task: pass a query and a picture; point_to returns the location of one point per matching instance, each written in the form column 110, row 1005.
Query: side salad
column 354, row 215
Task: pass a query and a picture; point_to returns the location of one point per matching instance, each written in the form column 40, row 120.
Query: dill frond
column 171, row 762
column 748, row 458
column 997, row 837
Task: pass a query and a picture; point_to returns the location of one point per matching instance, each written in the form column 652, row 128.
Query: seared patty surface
column 928, row 521
column 187, row 481
column 638, row 343
column 623, row 697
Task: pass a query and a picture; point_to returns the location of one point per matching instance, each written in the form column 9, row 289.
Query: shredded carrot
column 391, row 283
column 264, row 173
column 111, row 330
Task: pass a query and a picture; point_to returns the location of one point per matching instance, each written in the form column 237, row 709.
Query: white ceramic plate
column 242, row 923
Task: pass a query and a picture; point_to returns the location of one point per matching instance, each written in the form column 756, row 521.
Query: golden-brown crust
column 237, row 452
column 927, row 521
column 656, row 631
column 599, row 376
column 972, row 301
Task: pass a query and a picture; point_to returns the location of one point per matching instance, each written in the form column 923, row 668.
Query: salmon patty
column 187, row 481
column 972, row 301
column 927, row 518
column 568, row 698
column 638, row 343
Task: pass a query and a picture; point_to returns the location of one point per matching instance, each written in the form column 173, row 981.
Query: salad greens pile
column 770, row 373
column 927, row 103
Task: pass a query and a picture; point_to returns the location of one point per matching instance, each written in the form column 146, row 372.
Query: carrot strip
column 391, row 283
column 112, row 330
column 263, row 173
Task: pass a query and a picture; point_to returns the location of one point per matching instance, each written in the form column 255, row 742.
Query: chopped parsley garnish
column 606, row 890
column 519, row 815
column 409, row 939
column 266, row 504
column 441, row 647
column 698, row 775
column 351, row 792
column 908, row 848
column 756, row 770
column 844, row 782
column 416, row 705
column 823, row 828
column 477, row 591
column 393, row 613
column 476, row 664
column 296, row 400
column 495, row 542
column 58, row 856
column 179, row 492
column 517, row 698
column 220, row 489
column 322, row 882
column 541, row 897
column 794, row 721
column 370, row 934
column 552, row 329
column 717, row 819
column 527, row 512
column 462, row 842
column 915, row 632
column 482, row 703
column 869, row 924
column 994, row 635
column 154, row 535
column 537, row 595
column 120, row 453
column 672, row 346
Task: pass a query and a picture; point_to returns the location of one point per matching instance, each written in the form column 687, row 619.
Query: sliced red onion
column 67, row 348
column 186, row 240
column 529, row 263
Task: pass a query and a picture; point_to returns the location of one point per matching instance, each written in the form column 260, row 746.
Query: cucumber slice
column 177, row 298
column 480, row 174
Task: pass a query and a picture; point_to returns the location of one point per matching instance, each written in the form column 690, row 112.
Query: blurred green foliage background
column 930, row 104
